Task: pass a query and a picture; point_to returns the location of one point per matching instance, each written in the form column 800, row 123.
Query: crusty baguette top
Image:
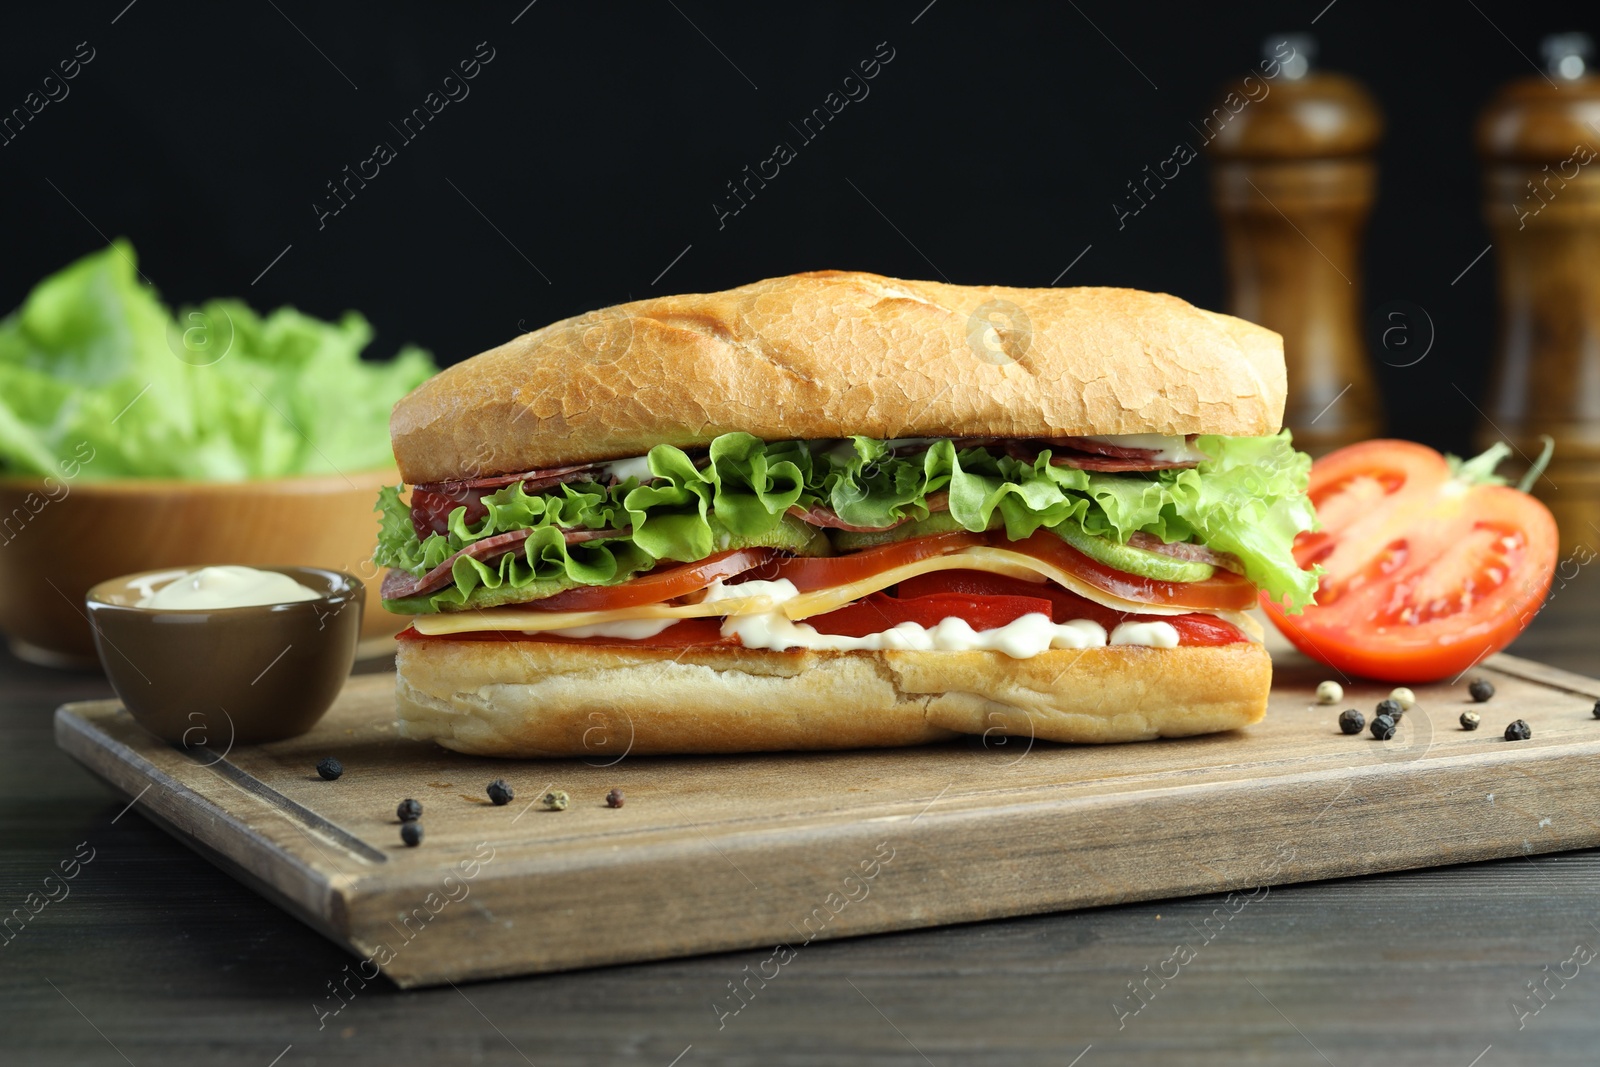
column 834, row 353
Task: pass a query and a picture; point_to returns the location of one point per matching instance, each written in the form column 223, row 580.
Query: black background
column 989, row 150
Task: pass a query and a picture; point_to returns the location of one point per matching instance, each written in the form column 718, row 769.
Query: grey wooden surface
column 155, row 957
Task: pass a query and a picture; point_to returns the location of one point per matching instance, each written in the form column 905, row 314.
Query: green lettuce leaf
column 673, row 511
column 1248, row 499
column 93, row 360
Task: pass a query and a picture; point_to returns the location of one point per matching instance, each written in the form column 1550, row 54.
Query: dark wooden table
column 155, row 957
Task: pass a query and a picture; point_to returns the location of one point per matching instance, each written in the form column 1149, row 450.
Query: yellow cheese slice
column 983, row 558
column 993, row 561
column 515, row 619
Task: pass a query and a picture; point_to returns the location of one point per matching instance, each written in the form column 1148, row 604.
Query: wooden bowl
column 59, row 537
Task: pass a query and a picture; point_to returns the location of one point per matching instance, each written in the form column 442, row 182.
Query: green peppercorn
column 411, row 833
column 1391, row 708
column 330, row 769
column 1383, row 727
column 500, row 792
column 1518, row 731
column 409, row 810
column 1480, row 689
column 555, row 800
column 1351, row 721
column 1470, row 720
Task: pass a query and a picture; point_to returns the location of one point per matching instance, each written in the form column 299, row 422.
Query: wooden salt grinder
column 1293, row 182
column 1541, row 156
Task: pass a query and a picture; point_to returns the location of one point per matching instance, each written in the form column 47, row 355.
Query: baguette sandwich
column 836, row 510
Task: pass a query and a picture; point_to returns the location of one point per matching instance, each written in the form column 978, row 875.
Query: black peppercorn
column 1597, row 709
column 409, row 810
column 1383, row 727
column 411, row 833
column 330, row 769
column 500, row 793
column 1391, row 708
column 1351, row 721
column 1470, row 720
column 1518, row 731
column 1480, row 689
column 614, row 799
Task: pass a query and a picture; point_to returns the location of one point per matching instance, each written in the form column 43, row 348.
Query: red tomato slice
column 1424, row 576
column 827, row 572
column 1065, row 605
column 880, row 612
column 663, row 583
column 1223, row 591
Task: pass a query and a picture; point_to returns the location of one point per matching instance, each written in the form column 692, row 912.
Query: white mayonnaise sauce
column 226, row 587
column 1021, row 638
column 631, row 629
column 1169, row 449
column 1149, row 634
column 622, row 469
column 780, row 590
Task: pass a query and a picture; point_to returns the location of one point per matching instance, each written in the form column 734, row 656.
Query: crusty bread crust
column 539, row 698
column 834, row 353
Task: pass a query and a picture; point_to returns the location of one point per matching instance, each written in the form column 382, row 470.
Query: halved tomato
column 1425, row 574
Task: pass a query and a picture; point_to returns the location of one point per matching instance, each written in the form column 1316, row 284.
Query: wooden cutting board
column 772, row 851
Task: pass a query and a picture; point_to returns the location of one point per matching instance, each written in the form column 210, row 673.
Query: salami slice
column 828, row 518
column 397, row 584
column 539, row 479
column 1063, row 456
column 432, row 504
column 1185, row 551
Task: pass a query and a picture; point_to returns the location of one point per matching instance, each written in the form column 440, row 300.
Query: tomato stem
column 1479, row 470
column 1539, row 464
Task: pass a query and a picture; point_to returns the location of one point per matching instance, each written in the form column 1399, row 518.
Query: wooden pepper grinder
column 1540, row 146
column 1294, row 182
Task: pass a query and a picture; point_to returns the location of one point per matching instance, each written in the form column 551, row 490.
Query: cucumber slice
column 1138, row 561
column 789, row 534
column 1122, row 557
column 938, row 523
column 1133, row 560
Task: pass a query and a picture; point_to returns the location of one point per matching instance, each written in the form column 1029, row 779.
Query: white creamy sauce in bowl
column 211, row 588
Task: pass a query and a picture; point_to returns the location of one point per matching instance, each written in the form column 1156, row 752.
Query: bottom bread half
column 542, row 698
